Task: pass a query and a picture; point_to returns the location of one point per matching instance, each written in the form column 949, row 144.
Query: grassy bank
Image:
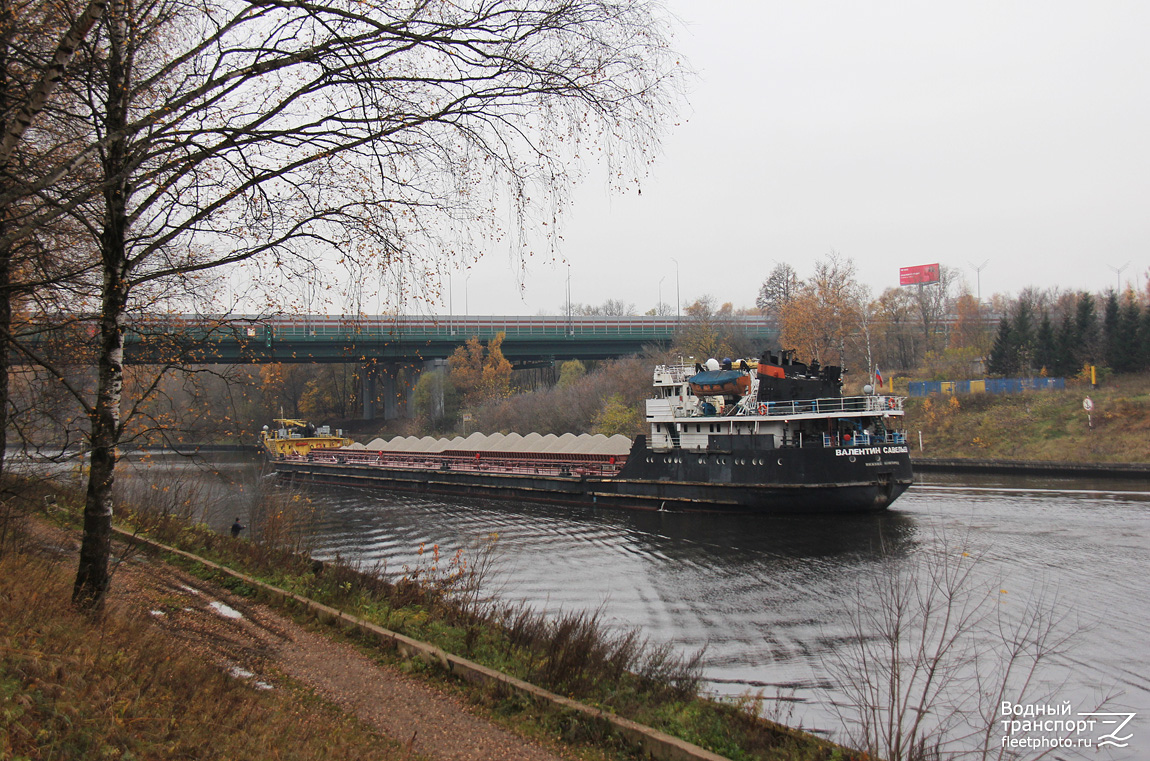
column 1037, row 425
column 76, row 688
column 441, row 601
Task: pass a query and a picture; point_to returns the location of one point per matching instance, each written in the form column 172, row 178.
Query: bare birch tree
column 933, row 301
column 37, row 43
column 359, row 135
column 777, row 290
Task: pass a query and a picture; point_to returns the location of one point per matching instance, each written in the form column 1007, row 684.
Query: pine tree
column 1023, row 336
column 1126, row 354
column 1110, row 330
column 1085, row 332
column 1144, row 341
column 1064, row 359
column 1046, row 346
column 1003, row 355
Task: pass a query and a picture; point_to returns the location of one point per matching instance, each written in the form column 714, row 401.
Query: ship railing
column 863, row 439
column 526, row 463
column 677, row 373
column 875, row 404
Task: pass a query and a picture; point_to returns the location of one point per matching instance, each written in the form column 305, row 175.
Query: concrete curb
column 1133, row 470
column 657, row 745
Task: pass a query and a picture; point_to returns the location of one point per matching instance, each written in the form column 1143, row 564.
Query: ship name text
column 861, row 451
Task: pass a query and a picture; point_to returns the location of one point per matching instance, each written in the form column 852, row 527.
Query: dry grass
column 444, row 600
column 73, row 687
column 1038, row 425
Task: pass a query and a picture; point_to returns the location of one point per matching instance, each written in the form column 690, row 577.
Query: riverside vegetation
column 1037, row 425
column 81, row 687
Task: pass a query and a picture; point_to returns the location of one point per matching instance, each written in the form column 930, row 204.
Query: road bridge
column 393, row 350
column 383, row 338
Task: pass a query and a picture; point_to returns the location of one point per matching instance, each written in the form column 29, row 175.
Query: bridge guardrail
column 451, row 328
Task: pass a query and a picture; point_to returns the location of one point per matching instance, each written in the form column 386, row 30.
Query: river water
column 770, row 597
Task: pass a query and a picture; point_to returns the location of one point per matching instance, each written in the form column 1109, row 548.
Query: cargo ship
column 767, row 435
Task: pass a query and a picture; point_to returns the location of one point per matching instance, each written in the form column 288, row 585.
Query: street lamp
column 1118, row 272
column 570, row 323
column 659, row 303
column 978, row 276
column 678, row 299
column 978, row 280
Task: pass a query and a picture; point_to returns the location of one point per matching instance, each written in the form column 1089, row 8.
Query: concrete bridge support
column 389, row 389
column 438, row 385
column 367, row 392
column 386, row 389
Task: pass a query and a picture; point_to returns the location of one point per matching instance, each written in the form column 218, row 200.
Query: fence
column 986, row 386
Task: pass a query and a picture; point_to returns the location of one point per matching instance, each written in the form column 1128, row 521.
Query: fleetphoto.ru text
column 1039, row 726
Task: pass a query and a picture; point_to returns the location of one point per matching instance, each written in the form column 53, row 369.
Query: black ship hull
column 783, row 480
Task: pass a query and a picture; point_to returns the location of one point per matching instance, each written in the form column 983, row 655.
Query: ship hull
column 773, row 481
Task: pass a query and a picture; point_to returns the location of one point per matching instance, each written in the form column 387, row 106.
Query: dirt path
column 255, row 642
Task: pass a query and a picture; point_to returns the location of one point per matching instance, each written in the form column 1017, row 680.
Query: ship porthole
column 852, row 458
column 780, row 461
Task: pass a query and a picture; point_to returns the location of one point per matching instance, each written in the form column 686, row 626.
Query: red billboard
column 923, row 273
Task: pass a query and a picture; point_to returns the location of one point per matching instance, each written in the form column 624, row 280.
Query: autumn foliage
column 480, row 374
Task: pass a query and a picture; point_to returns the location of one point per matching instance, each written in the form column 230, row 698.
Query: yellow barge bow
column 298, row 437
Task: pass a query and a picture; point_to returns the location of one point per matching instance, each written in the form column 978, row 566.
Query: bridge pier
column 386, row 389
column 438, row 368
column 389, row 394
column 367, row 390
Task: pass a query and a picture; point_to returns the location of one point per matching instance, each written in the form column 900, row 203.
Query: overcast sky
column 895, row 133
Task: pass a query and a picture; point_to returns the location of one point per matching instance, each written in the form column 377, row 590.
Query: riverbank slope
column 1037, row 425
column 178, row 609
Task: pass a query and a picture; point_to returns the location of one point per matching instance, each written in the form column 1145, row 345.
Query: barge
column 768, row 435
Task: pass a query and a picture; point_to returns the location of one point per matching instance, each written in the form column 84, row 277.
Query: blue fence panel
column 992, row 386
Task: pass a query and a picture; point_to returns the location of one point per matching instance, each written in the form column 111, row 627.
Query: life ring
column 762, row 408
column 890, row 402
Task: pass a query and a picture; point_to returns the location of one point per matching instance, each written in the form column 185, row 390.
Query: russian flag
column 878, row 377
